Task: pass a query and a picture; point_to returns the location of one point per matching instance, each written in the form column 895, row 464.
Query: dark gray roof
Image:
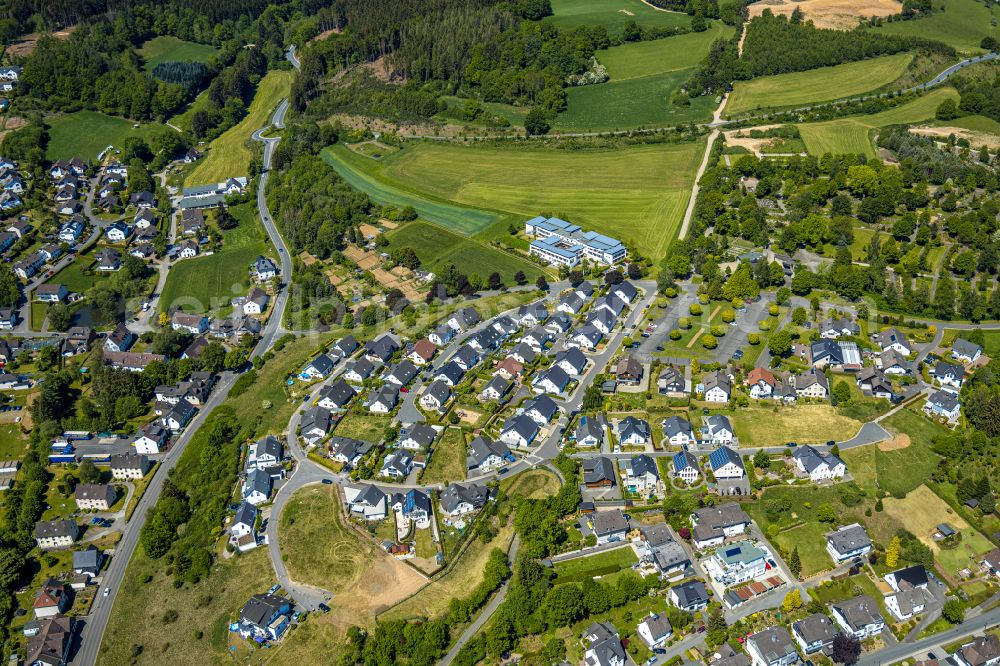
column 812, row 458
column 482, row 447
column 345, row 346
column 849, row 538
column 467, row 355
column 630, row 424
column 323, row 364
column 816, row 627
column 261, row 608
column 452, row 371
column 246, row 514
column 945, row 400
column 316, row 417
column 421, row 433
column 774, row 643
column 944, row 368
column 88, row 559
column 404, row 372
column 859, row 611
column 827, row 349
column 382, row 348
column 523, row 350
column 676, row 425
column 439, row 389
column 691, row 593
column 270, row 445
column 522, row 425
column 718, row 423
column 965, row 348
column 574, row 357
column 609, row 522
column 544, row 405
column 643, row 464
column 455, row 494
column 589, row 426
column 598, row 469
column 499, row 384
column 362, row 366
column 339, row 392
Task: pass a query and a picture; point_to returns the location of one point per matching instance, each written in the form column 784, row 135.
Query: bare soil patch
column 468, row 415
column 976, row 139
column 388, row 224
column 386, row 582
column 836, row 14
column 742, row 139
column 368, row 231
column 364, row 259
column 325, row 34
column 26, row 45
column 308, row 259
column 900, row 441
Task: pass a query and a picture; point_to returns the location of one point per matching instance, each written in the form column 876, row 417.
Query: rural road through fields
column 95, row 624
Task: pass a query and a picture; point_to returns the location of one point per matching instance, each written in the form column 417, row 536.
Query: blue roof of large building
column 551, row 244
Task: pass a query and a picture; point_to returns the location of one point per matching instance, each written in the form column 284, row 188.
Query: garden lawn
column 228, row 155
column 613, row 14
column 853, row 134
column 922, row 511
column 167, row 48
column 816, row 85
column 601, row 564
column 13, row 443
column 208, row 283
column 367, row 427
column 316, row 545
column 637, row 194
column 437, row 247
column 973, row 124
column 447, row 461
column 805, row 424
column 962, row 24
column 85, row 134
column 533, row 484
column 810, row 539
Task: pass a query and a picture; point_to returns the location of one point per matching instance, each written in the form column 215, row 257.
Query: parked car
column 324, row 608
column 327, row 482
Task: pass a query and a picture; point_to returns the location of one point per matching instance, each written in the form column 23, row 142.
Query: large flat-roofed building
column 561, row 242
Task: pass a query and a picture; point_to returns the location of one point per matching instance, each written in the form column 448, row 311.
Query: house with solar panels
column 561, row 242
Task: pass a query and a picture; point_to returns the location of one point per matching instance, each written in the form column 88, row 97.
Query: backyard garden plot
column 601, row 564
column 447, row 461
column 636, row 193
column 816, row 85
column 167, row 48
column 962, row 24
column 228, row 155
column 85, row 134
column 922, row 511
column 613, row 14
column 853, row 134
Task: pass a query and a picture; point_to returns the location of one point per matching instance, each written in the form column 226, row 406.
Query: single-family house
column 604, row 647
column 949, row 374
column 686, row 467
column 599, row 472
column 265, row 617
column 848, row 542
column 739, row 562
column 671, row 382
column 402, row 373
column 655, row 630
column 859, row 617
column 414, row 505
column 608, row 526
column 718, row 430
column 815, row 633
column 980, row 651
column 911, row 595
column 761, row 383
column 893, row 363
column 344, row 347
column 587, row 338
column 422, row 352
column 87, row 561
column 53, row 598
column 874, row 381
column 257, row 487
column 772, row 647
column 436, row 395
column 359, row 370
column 726, row 464
column 714, row 524
column 717, row 385
column 893, row 339
column 190, row 323
column 382, row 349
column 552, row 380
column 316, row 424
column 943, row 404
column 965, row 351
column 589, row 432
column 417, row 437
column 633, row 432
column 640, row 475
column 336, row 395
column 265, row 453
column 540, row 409
column 318, row 368
column 678, row 431
column 813, row 384
column 51, row 644
column 485, row 455
column 495, row 389
column 818, row 465
column 150, row 438
column 366, row 501
column 462, row 499
column 244, row 521
column 572, row 361
column 256, row 301
column 629, row 371
column 826, row 353
column 519, row 431
column 397, row 465
column 690, row 596
column 383, row 400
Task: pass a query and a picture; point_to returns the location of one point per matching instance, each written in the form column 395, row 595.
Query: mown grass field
column 447, row 461
column 637, row 194
column 85, row 134
column 817, row 85
column 13, row 443
column 962, row 24
column 644, row 78
column 318, row 548
column 437, row 247
column 167, row 48
column 228, row 155
column 613, row 14
column 363, row 174
column 208, row 283
column 805, row 424
column 853, row 134
column 638, row 59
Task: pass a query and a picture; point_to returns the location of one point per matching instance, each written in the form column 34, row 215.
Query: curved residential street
column 96, row 622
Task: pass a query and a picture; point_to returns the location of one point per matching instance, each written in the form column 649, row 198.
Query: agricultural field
column 228, row 154
column 167, row 48
column 613, row 14
column 962, row 24
column 805, row 424
column 853, row 134
column 437, row 247
column 209, row 283
column 363, row 174
column 836, row 14
column 817, row 85
column 447, row 461
column 85, row 134
column 644, row 78
column 637, row 193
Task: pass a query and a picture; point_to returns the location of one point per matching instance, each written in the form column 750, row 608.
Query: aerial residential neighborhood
column 461, row 332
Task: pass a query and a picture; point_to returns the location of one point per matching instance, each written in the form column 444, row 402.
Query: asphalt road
column 96, row 623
